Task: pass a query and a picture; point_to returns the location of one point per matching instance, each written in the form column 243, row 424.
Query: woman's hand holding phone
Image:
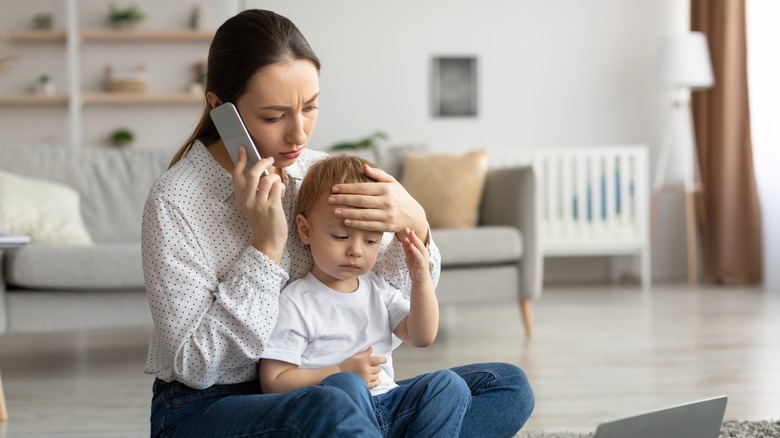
column 259, row 196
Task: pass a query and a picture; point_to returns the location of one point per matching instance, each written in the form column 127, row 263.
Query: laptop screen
column 699, row 419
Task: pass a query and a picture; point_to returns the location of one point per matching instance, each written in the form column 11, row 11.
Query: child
column 342, row 317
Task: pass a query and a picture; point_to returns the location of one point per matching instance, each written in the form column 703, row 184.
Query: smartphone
column 234, row 134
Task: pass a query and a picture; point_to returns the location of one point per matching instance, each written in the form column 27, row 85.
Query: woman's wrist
column 271, row 251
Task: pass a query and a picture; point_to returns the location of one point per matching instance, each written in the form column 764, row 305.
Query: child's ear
column 304, row 231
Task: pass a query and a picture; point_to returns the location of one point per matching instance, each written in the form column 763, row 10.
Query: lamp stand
column 679, row 140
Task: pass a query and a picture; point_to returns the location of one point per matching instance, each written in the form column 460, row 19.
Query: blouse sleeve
column 391, row 263
column 204, row 327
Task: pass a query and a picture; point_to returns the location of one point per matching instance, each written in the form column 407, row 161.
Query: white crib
column 593, row 202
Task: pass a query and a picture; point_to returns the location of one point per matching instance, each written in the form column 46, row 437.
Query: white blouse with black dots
column 213, row 296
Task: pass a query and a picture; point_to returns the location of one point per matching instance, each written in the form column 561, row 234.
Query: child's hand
column 365, row 366
column 417, row 257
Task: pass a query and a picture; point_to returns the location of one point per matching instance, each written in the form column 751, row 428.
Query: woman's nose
column 296, row 134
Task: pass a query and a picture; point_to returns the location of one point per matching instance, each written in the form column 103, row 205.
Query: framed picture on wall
column 454, row 86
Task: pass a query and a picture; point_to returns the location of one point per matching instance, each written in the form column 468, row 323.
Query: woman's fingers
column 377, row 174
column 363, row 188
column 241, row 163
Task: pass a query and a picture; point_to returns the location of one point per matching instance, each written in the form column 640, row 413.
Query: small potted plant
column 370, row 142
column 125, row 18
column 122, row 137
column 366, row 147
column 44, row 86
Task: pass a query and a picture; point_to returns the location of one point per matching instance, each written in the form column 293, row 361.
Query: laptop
column 698, row 419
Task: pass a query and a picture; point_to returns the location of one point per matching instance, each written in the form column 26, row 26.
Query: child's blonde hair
column 323, row 175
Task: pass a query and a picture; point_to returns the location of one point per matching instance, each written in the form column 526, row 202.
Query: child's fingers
column 415, row 241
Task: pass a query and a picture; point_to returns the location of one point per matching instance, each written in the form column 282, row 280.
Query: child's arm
column 277, row 376
column 420, row 327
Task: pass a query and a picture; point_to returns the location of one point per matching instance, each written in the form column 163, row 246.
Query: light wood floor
column 598, row 353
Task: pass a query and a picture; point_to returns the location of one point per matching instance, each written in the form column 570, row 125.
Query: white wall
column 763, row 70
column 555, row 72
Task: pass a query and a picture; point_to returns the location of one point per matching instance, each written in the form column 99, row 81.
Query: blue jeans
column 501, row 399
column 501, row 402
column 336, row 408
column 428, row 406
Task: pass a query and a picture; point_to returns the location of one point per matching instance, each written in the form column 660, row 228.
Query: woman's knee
column 516, row 378
column 512, row 378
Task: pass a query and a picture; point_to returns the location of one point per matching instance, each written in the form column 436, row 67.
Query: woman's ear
column 212, row 99
column 304, row 231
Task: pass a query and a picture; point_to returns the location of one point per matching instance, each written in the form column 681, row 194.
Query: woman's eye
column 273, row 119
column 310, row 109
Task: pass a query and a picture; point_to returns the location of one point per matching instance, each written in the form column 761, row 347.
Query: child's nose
column 354, row 250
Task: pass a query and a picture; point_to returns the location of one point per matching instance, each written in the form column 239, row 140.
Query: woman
column 219, row 244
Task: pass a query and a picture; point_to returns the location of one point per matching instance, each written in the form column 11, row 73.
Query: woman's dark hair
column 244, row 44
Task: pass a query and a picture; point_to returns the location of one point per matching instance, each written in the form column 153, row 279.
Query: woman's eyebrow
column 285, row 108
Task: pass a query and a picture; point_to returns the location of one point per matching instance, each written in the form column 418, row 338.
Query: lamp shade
column 684, row 62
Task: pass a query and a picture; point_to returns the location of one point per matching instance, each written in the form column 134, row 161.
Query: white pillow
column 46, row 211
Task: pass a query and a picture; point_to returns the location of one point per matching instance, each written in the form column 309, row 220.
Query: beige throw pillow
column 46, row 211
column 449, row 187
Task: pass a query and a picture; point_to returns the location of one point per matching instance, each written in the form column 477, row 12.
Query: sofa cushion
column 486, row 245
column 56, row 267
column 113, row 183
column 448, row 186
column 45, row 211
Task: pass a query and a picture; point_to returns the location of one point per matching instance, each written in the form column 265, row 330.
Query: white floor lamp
column 684, row 66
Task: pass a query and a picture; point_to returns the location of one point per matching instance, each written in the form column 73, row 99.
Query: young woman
column 219, row 245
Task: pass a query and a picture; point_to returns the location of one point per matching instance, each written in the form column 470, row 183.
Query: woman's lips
column 291, row 155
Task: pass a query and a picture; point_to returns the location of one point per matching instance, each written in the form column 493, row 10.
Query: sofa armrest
column 510, row 198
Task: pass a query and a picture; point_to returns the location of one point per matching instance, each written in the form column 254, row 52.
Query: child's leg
column 357, row 390
column 431, row 405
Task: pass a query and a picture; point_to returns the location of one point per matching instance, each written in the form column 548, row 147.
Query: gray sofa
column 45, row 288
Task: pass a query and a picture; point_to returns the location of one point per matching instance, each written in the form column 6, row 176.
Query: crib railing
column 593, row 201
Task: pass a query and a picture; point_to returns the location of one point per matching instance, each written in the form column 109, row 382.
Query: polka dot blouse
column 213, row 296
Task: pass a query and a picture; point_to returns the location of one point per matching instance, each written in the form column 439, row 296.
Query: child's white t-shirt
column 319, row 327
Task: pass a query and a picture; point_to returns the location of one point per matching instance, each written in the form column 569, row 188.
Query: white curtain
column 763, row 36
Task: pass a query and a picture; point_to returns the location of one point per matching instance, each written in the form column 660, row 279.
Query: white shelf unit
column 76, row 97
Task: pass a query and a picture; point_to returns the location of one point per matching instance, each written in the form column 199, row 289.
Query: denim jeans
column 336, row 408
column 501, row 402
column 428, row 406
column 501, row 399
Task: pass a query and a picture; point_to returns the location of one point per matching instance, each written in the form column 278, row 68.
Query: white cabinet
column 75, row 54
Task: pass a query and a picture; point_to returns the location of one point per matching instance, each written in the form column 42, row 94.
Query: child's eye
column 337, row 237
column 370, row 241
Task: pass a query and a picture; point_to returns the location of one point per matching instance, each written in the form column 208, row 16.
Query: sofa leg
column 3, row 412
column 526, row 311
